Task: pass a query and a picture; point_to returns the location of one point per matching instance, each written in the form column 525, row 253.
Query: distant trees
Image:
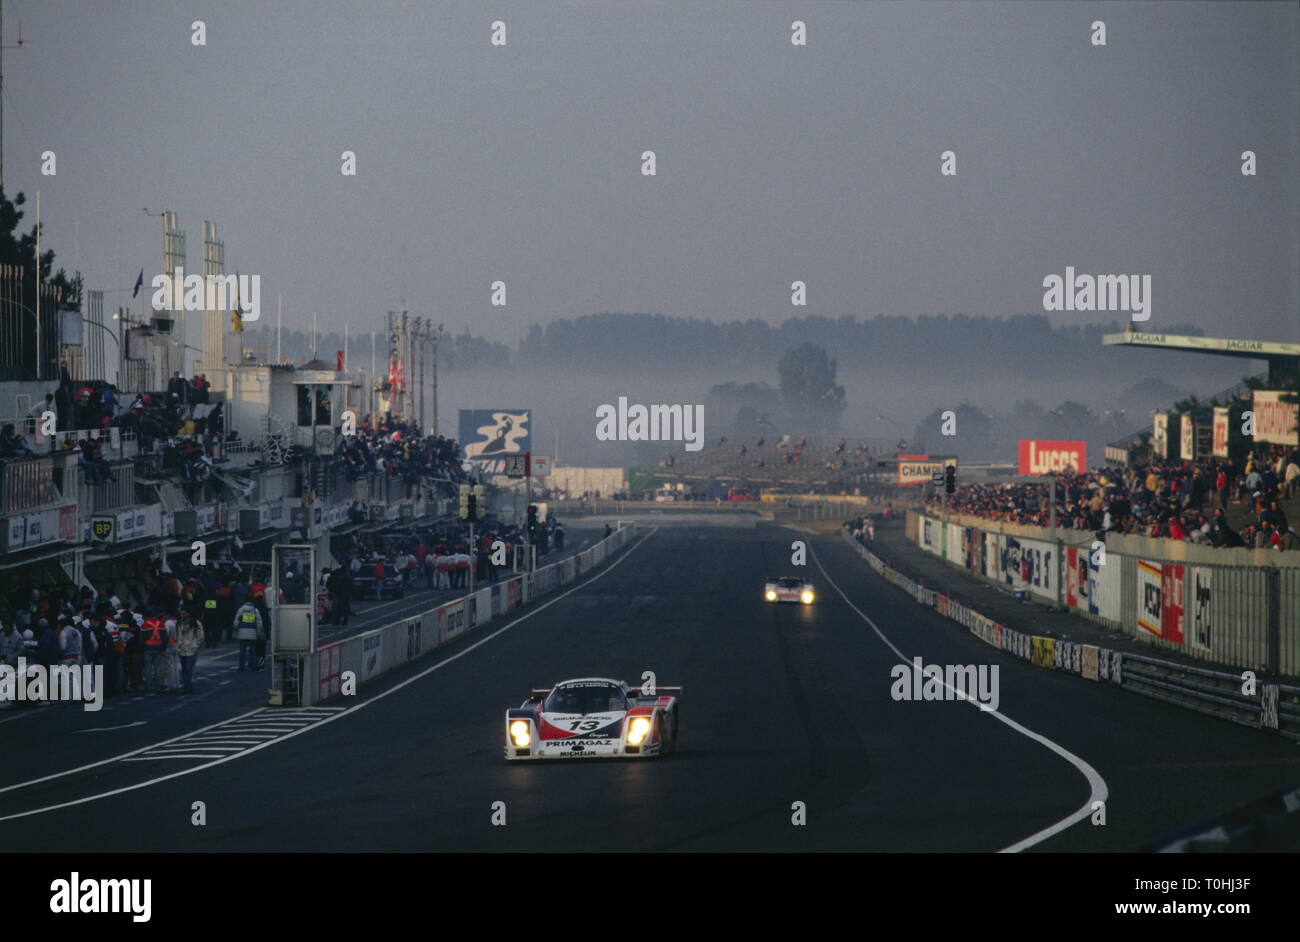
column 617, row 344
column 809, row 393
column 19, row 248
column 974, row 432
column 743, row 408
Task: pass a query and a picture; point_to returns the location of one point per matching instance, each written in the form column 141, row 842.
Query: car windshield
column 585, row 698
column 790, row 582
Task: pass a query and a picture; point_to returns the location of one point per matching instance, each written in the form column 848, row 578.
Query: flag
column 139, row 282
column 236, row 316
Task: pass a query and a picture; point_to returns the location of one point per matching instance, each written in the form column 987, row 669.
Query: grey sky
column 774, row 162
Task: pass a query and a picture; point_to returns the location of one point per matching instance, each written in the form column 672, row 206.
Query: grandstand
column 799, row 463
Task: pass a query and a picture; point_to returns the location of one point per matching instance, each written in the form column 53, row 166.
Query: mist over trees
column 807, row 397
column 1023, row 345
column 973, row 346
column 1007, row 378
column 984, row 436
column 462, row 351
column 809, row 393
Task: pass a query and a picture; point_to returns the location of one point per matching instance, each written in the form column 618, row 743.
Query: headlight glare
column 638, row 730
column 520, row 734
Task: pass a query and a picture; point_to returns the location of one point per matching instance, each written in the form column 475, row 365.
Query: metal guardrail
column 1245, row 616
column 1268, row 705
column 1271, row 823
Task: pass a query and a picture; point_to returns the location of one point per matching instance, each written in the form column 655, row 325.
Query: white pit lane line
column 1095, row 782
column 342, row 712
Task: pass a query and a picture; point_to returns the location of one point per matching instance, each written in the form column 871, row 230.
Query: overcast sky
column 775, row 163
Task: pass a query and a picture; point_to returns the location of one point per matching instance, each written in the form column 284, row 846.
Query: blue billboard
column 488, row 435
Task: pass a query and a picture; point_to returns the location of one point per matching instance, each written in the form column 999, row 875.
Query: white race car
column 789, row 589
column 593, row 718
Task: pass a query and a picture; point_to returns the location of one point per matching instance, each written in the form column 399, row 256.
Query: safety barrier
column 1258, row 704
column 1234, row 607
column 371, row 653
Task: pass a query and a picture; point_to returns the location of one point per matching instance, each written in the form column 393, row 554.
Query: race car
column 789, row 589
column 593, row 718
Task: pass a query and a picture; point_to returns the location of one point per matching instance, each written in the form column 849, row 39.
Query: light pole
column 171, row 340
column 437, row 339
column 26, row 310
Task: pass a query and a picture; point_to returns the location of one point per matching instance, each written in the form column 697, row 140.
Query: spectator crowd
column 1180, row 500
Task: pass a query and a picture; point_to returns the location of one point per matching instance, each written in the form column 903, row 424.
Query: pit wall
column 370, row 654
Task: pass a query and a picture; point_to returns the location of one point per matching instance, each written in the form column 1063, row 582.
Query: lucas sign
column 1038, row 456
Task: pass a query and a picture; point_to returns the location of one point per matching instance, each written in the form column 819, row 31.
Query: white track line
column 342, row 713
column 134, row 752
column 1095, row 782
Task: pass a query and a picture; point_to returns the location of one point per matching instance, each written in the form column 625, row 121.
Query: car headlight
column 771, row 595
column 520, row 734
column 807, row 596
column 638, row 730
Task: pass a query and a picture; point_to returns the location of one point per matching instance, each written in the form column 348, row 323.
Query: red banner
column 1171, row 598
column 1038, row 456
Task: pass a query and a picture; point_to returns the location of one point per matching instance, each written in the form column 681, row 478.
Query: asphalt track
column 782, row 704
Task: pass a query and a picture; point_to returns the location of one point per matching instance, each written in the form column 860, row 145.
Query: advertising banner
column 1160, row 600
column 1027, row 564
column 1186, row 437
column 920, row 469
column 1148, row 596
column 329, row 667
column 1274, row 419
column 1038, row 456
column 1202, row 595
column 1219, row 448
column 974, row 550
column 928, row 541
column 1171, row 598
column 488, row 435
column 451, row 620
column 1160, row 434
column 1088, row 664
column 372, row 651
column 414, row 638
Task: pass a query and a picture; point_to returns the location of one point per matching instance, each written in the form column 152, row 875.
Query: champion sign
column 1046, row 457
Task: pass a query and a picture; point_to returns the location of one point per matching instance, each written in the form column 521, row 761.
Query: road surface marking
column 344, row 711
column 1096, row 784
column 109, row 729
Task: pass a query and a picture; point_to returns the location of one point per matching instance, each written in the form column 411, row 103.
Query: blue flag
column 139, row 281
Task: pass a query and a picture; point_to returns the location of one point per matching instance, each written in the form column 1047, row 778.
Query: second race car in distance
column 593, row 718
column 789, row 589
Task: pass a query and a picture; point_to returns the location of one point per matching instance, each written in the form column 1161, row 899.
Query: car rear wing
column 660, row 691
